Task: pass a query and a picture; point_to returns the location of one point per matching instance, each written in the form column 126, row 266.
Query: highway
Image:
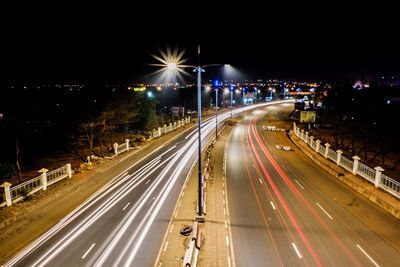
column 124, row 222
column 278, row 217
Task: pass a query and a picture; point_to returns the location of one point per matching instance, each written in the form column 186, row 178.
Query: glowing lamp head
column 171, row 66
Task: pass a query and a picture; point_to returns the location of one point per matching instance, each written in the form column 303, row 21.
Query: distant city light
column 150, row 94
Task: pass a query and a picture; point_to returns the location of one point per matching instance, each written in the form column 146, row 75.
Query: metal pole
column 200, row 212
column 216, row 114
column 231, row 102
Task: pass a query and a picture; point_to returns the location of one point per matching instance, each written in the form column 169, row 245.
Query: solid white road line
column 148, row 181
column 297, row 251
column 273, row 206
column 368, row 256
column 260, row 180
column 87, row 252
column 327, row 214
column 299, row 184
column 127, row 204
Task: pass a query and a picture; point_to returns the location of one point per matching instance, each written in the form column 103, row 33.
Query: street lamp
column 216, row 84
column 231, row 89
column 173, row 65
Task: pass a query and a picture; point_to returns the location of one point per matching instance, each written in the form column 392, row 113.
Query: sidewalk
column 215, row 243
column 25, row 221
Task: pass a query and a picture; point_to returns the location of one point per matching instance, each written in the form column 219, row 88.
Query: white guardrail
column 12, row 194
column 171, row 127
column 372, row 175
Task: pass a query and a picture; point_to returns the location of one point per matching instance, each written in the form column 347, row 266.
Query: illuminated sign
column 139, row 89
column 307, row 116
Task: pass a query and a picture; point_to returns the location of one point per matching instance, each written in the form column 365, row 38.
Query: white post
column 327, row 145
column 159, row 131
column 69, row 170
column 378, row 174
column 5, row 190
column 115, row 149
column 317, row 145
column 355, row 165
column 43, row 177
column 306, row 137
column 174, row 125
column 165, row 128
column 127, row 144
column 338, row 156
column 302, row 134
column 311, row 140
column 170, row 126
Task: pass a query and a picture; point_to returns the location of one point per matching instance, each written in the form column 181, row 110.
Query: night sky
column 72, row 42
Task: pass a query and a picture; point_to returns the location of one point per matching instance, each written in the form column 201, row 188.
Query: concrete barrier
column 193, row 249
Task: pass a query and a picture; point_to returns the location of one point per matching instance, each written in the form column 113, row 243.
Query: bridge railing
column 372, row 175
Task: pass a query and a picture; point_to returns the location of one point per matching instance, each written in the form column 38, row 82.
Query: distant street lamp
column 216, row 113
column 231, row 90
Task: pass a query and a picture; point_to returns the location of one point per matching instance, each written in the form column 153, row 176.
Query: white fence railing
column 11, row 194
column 171, row 127
column 25, row 188
column 373, row 175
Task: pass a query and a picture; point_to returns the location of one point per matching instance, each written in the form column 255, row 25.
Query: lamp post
column 216, row 113
column 174, row 67
column 231, row 89
column 244, row 100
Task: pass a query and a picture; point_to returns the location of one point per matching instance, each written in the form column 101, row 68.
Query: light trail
column 122, row 184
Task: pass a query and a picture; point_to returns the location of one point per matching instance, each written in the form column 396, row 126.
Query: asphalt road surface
column 279, row 218
column 123, row 223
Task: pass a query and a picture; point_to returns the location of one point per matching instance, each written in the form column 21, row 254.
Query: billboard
column 178, row 111
column 307, row 116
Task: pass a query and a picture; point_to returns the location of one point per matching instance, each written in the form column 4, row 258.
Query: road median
column 214, row 237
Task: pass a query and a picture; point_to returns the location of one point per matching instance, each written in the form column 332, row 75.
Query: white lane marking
column 87, row 252
column 284, row 168
column 260, row 180
column 148, row 181
column 172, row 227
column 297, row 182
column 226, row 225
column 297, row 251
column 368, row 256
column 273, row 206
column 327, row 214
column 227, row 240
column 166, row 245
column 127, row 204
column 179, row 204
